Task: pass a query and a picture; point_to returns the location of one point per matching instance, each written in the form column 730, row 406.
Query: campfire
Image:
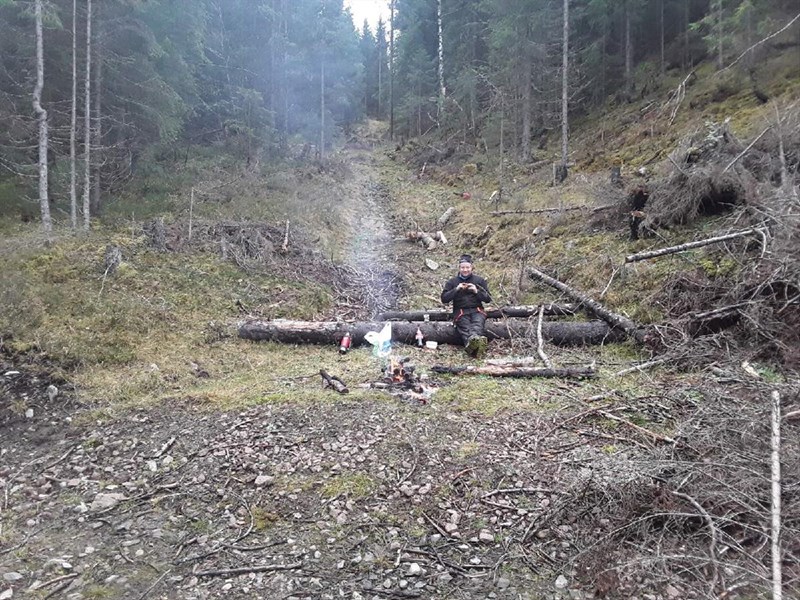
column 399, row 379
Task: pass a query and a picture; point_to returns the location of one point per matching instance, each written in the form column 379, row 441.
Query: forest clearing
column 190, row 404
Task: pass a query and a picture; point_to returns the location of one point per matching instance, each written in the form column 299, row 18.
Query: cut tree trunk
column 422, row 237
column 331, row 332
column 438, row 314
column 591, row 305
column 442, row 221
column 498, row 371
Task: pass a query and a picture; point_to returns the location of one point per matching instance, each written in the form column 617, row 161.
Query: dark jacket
column 465, row 299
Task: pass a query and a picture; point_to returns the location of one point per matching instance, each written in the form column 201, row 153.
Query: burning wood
column 399, row 379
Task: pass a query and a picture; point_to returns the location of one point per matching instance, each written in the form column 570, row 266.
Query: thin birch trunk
column 391, row 69
column 441, row 57
column 73, row 129
column 87, row 117
column 322, row 107
column 565, row 92
column 44, row 200
column 98, row 114
column 777, row 572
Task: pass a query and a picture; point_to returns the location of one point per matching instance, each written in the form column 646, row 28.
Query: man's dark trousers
column 470, row 322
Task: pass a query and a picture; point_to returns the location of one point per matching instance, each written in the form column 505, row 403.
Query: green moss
column 353, row 485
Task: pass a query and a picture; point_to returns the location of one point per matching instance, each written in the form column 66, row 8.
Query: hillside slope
column 172, row 459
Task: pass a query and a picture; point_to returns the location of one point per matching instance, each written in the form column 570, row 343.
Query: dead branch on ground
column 498, row 371
column 692, row 245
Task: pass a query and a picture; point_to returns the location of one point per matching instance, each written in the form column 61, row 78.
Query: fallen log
column 439, row 314
column 331, row 332
column 594, row 307
column 498, row 371
column 692, row 245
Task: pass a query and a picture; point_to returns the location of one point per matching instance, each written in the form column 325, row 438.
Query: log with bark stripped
column 593, row 306
column 438, row 314
column 331, row 332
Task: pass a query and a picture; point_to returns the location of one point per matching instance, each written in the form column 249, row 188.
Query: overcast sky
column 369, row 10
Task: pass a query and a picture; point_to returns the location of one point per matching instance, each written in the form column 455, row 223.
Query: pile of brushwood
column 741, row 297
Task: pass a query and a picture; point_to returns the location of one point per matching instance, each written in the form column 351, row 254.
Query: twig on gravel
column 517, row 491
column 63, row 457
column 61, row 587
column 155, row 583
column 167, row 445
column 45, row 584
column 245, row 570
column 438, row 528
column 413, row 466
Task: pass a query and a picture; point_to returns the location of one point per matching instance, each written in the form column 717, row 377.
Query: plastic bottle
column 344, row 345
column 419, row 337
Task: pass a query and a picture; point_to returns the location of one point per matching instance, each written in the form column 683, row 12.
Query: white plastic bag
column 381, row 341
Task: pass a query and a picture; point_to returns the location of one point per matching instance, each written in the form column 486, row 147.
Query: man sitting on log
column 468, row 292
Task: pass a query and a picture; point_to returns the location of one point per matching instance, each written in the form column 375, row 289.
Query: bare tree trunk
column 565, row 92
column 73, row 129
column 391, row 69
column 44, row 200
column 87, row 117
column 526, row 107
column 685, row 65
column 628, row 55
column 663, row 66
column 321, row 107
column 720, row 62
column 98, row 115
column 379, row 114
column 441, row 58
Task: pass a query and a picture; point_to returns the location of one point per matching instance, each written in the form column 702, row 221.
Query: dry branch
column 333, row 382
column 761, row 41
column 497, row 371
column 592, row 305
column 691, row 245
column 746, row 150
column 246, row 570
column 503, row 312
column 536, row 211
column 330, row 332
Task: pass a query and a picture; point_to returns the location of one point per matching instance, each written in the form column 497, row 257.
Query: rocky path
column 374, row 276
